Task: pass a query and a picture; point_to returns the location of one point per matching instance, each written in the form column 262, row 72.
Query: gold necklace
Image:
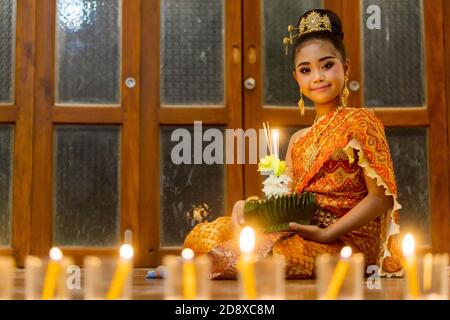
column 313, row 150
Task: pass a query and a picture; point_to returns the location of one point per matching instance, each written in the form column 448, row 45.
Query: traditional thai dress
column 330, row 160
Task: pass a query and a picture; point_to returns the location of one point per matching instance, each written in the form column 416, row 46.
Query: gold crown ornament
column 313, row 22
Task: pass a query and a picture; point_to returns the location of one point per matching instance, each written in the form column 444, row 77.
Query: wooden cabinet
column 96, row 90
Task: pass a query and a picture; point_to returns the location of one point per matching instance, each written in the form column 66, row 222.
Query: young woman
column 343, row 158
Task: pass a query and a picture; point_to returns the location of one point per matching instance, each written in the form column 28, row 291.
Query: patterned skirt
column 218, row 241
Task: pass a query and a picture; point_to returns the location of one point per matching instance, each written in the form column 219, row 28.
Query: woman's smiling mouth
column 321, row 88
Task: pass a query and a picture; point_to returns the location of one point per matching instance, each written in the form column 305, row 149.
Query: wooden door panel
column 408, row 111
column 86, row 108
column 173, row 100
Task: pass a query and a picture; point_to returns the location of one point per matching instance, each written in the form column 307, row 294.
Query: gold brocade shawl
column 360, row 135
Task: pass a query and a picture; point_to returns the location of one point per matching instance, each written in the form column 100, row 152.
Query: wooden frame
column 21, row 115
column 415, row 116
column 153, row 115
column 446, row 216
column 436, row 107
column 48, row 114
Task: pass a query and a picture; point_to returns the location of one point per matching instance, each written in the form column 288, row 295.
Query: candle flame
column 126, row 251
column 408, row 245
column 55, row 254
column 346, row 252
column 275, row 135
column 247, row 240
column 187, row 254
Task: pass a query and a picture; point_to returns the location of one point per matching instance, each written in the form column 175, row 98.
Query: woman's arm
column 237, row 216
column 372, row 206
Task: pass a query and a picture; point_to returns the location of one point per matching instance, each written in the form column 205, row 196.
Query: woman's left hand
column 311, row 232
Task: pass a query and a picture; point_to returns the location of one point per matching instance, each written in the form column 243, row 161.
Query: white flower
column 276, row 186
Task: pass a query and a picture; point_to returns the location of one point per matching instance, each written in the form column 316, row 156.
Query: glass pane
column 280, row 89
column 393, row 55
column 88, row 51
column 86, row 201
column 192, row 62
column 409, row 150
column 7, row 49
column 6, row 155
column 190, row 193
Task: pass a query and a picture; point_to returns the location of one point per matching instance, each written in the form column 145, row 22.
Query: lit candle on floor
column 339, row 274
column 246, row 262
column 7, row 266
column 122, row 272
column 410, row 265
column 52, row 274
column 427, row 271
column 188, row 274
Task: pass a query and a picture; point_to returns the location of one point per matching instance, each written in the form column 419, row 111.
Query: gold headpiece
column 313, row 22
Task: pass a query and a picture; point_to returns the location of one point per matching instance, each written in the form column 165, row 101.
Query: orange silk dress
column 330, row 160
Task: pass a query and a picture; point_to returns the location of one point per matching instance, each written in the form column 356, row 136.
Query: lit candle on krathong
column 52, row 273
column 410, row 265
column 122, row 272
column 246, row 262
column 339, row 274
column 189, row 277
column 266, row 134
column 275, row 139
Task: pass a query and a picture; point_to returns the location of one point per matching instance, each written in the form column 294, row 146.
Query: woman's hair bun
column 336, row 24
column 321, row 24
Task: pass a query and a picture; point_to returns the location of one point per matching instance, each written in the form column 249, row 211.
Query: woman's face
column 319, row 71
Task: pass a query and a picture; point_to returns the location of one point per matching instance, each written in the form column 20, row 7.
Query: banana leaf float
column 274, row 214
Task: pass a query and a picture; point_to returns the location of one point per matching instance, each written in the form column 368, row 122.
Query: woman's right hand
column 237, row 216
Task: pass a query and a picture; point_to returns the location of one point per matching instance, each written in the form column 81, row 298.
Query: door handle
column 250, row 83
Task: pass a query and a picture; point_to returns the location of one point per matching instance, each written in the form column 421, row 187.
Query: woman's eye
column 304, row 70
column 328, row 65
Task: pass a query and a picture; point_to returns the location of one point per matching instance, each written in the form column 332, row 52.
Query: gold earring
column 345, row 93
column 301, row 104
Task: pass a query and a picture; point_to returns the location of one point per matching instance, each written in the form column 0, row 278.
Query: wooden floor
column 152, row 289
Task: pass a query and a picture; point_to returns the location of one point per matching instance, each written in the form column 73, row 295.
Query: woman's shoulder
column 361, row 111
column 359, row 114
column 363, row 122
